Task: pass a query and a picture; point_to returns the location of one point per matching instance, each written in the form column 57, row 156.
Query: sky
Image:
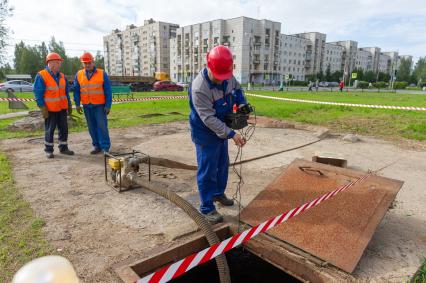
column 392, row 25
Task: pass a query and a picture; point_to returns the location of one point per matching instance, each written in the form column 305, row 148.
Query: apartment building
column 364, row 60
column 332, row 58
column 255, row 45
column 314, row 51
column 375, row 57
column 261, row 53
column 139, row 51
column 293, row 56
column 348, row 56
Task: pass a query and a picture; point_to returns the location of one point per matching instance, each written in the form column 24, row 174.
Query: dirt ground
column 96, row 227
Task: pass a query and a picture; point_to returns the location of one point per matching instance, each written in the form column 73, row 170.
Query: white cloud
column 388, row 24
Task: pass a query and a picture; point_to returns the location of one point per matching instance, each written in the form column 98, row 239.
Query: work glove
column 107, row 110
column 79, row 110
column 69, row 110
column 44, row 112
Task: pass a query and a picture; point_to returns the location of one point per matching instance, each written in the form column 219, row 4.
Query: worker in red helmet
column 92, row 89
column 214, row 93
column 52, row 97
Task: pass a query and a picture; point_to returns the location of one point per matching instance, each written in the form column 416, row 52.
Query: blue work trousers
column 97, row 123
column 212, row 172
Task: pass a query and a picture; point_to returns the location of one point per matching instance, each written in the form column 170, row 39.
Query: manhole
column 243, row 266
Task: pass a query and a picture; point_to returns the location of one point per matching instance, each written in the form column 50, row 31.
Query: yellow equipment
column 162, row 76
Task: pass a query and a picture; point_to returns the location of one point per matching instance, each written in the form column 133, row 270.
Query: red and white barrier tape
column 150, row 98
column 176, row 269
column 410, row 108
column 16, row 99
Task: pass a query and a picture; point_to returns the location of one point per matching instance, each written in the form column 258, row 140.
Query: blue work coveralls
column 209, row 104
column 96, row 118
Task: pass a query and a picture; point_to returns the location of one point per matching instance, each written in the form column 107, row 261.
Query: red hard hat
column 53, row 56
column 220, row 62
column 86, row 58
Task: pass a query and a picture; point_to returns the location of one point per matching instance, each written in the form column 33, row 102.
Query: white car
column 16, row 85
column 185, row 85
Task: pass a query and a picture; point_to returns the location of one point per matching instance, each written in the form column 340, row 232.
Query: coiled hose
column 203, row 224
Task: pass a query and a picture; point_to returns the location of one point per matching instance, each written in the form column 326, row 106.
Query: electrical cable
column 246, row 133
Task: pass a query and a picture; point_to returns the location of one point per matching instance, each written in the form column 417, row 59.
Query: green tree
column 383, row 77
column 336, row 76
column 419, row 72
column 369, row 76
column 99, row 60
column 5, row 70
column 328, row 73
column 28, row 59
column 404, row 71
column 5, row 12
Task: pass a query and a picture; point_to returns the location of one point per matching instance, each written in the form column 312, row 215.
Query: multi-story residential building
column 385, row 63
column 314, row 51
column 255, row 45
column 364, row 60
column 349, row 55
column 332, row 58
column 261, row 53
column 139, row 51
column 375, row 57
column 293, row 56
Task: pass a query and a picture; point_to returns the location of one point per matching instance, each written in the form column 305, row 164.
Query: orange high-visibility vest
column 91, row 91
column 55, row 97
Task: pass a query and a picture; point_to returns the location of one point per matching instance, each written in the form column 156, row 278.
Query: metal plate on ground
column 336, row 231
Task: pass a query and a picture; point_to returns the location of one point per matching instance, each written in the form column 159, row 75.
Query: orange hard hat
column 220, row 62
column 86, row 57
column 53, row 56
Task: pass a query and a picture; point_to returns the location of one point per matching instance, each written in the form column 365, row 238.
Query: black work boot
column 95, row 151
column 49, row 155
column 66, row 151
column 223, row 200
column 214, row 217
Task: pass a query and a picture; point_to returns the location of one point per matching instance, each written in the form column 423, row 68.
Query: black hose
column 203, row 224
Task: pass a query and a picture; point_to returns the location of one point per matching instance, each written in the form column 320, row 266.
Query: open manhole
column 243, row 266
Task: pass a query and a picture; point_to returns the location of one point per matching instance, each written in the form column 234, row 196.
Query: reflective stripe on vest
column 55, row 97
column 91, row 91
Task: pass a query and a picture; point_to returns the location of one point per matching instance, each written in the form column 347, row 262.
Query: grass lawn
column 21, row 237
column 374, row 122
column 420, row 276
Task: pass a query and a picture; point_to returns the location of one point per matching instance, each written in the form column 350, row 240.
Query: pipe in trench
column 200, row 220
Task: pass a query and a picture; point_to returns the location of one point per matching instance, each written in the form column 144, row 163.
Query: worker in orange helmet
column 92, row 89
column 213, row 94
column 52, row 97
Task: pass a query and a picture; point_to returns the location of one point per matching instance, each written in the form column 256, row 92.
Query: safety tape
column 410, row 108
column 150, row 98
column 155, row 98
column 178, row 268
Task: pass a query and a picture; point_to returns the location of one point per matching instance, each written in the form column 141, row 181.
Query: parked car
column 140, row 86
column 16, row 85
column 182, row 84
column 114, row 83
column 333, row 84
column 167, row 86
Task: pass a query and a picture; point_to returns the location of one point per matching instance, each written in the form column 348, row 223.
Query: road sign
column 354, row 75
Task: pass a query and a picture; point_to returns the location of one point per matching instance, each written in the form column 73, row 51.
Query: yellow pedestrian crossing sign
column 354, row 75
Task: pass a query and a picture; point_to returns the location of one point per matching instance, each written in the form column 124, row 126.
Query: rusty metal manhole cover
column 338, row 230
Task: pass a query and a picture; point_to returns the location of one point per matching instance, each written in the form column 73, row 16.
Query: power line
column 47, row 41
